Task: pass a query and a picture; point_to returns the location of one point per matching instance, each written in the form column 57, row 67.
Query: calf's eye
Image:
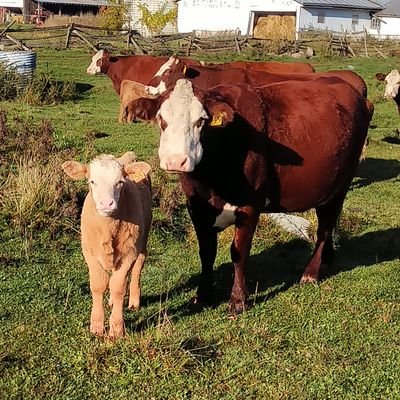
column 200, row 123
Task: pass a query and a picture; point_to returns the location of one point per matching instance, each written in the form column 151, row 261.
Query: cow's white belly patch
column 226, row 218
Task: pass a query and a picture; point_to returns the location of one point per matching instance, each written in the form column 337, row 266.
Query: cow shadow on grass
column 375, row 170
column 277, row 269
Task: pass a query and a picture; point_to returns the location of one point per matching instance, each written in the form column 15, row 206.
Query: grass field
column 339, row 339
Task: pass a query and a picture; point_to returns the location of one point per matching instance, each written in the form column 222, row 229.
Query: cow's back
column 316, row 138
column 269, row 66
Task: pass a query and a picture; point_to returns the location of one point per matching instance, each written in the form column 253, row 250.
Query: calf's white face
column 93, row 68
column 106, row 179
column 392, row 84
column 181, row 118
column 161, row 87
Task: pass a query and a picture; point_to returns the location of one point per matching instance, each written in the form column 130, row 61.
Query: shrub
column 156, row 21
column 114, row 15
column 34, row 192
column 42, row 89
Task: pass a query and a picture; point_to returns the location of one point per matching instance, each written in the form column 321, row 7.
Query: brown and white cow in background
column 392, row 84
column 240, row 151
column 115, row 224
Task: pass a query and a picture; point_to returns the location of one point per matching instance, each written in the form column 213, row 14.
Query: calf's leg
column 134, row 287
column 98, row 285
column 118, row 282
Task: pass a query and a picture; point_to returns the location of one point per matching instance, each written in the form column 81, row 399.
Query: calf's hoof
column 97, row 328
column 116, row 331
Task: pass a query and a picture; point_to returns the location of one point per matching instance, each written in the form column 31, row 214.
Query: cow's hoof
column 305, row 279
column 198, row 303
column 237, row 307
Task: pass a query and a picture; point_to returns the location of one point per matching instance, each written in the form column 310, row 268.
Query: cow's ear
column 143, row 108
column 221, row 114
column 106, row 55
column 137, row 171
column 380, row 76
column 127, row 158
column 75, row 170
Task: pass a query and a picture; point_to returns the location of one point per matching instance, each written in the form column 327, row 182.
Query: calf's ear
column 143, row 108
column 75, row 170
column 221, row 114
column 127, row 158
column 137, row 171
column 380, row 76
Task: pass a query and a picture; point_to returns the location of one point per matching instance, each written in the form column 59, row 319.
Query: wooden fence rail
column 192, row 44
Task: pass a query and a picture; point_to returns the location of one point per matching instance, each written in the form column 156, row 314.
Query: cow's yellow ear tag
column 184, row 70
column 217, row 119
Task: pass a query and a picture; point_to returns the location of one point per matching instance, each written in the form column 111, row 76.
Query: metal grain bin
column 23, row 62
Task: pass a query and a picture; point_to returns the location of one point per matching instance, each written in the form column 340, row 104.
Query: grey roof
column 98, row 3
column 353, row 4
column 392, row 10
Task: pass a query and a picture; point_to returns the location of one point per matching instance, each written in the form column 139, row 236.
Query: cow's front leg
column 246, row 222
column 203, row 218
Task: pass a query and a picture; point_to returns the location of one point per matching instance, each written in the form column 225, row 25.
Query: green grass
column 339, row 339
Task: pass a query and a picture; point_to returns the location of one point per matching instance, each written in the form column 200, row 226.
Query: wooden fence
column 192, row 44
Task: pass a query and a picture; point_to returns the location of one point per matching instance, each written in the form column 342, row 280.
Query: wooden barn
column 32, row 10
column 276, row 18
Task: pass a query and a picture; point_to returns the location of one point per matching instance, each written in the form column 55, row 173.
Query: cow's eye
column 200, row 123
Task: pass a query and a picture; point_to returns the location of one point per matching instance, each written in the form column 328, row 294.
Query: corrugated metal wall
column 134, row 15
column 338, row 20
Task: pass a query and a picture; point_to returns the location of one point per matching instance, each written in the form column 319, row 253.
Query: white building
column 273, row 15
column 386, row 23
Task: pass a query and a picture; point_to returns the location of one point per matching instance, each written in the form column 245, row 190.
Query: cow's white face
column 106, row 179
column 93, row 68
column 181, row 118
column 161, row 87
column 392, row 84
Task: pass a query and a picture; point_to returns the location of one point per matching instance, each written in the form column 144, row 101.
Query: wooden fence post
column 128, row 38
column 7, row 28
column 69, row 31
column 365, row 43
column 192, row 37
column 137, row 47
column 237, row 41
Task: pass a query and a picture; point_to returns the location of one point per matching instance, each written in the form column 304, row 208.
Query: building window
column 375, row 23
column 321, row 17
column 354, row 19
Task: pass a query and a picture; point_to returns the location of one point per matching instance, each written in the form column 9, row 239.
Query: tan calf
column 115, row 223
column 129, row 91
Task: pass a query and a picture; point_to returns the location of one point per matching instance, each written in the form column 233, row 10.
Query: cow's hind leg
column 246, row 222
column 328, row 216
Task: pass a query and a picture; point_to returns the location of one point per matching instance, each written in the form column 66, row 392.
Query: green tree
column 114, row 16
column 156, row 21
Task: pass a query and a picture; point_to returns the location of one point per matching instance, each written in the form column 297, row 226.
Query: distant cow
column 139, row 68
column 206, row 77
column 240, row 151
column 267, row 66
column 115, row 223
column 392, row 82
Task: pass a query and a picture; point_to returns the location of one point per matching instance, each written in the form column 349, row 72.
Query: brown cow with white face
column 392, row 84
column 284, row 147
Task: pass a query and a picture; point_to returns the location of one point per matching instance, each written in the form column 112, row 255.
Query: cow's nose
column 177, row 162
